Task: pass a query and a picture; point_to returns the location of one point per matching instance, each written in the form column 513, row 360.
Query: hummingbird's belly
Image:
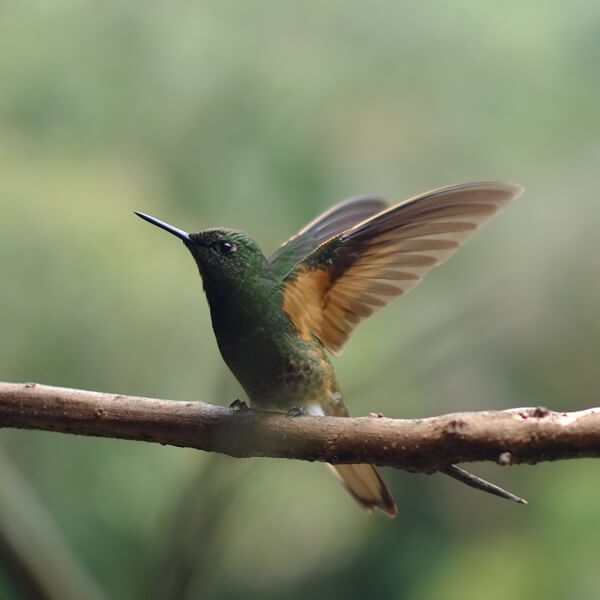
column 281, row 374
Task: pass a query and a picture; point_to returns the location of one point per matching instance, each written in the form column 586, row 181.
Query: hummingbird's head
column 223, row 256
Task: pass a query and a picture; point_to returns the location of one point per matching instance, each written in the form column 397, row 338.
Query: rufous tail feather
column 366, row 487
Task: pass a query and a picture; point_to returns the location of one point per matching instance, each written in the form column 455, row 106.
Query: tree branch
column 519, row 435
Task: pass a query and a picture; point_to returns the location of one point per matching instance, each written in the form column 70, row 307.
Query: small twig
column 480, row 484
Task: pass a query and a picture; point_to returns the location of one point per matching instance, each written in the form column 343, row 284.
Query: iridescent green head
column 225, row 255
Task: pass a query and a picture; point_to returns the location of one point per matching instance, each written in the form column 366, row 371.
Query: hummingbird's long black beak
column 182, row 235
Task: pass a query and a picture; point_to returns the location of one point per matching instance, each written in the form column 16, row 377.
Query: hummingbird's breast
column 276, row 367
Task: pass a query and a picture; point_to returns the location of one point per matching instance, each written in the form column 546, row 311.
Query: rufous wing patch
column 302, row 299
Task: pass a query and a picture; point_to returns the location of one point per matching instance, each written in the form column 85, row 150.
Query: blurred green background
column 259, row 115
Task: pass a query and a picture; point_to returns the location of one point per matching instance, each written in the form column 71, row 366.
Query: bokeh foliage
column 258, row 115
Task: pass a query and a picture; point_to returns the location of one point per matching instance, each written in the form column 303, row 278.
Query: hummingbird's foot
column 296, row 411
column 238, row 404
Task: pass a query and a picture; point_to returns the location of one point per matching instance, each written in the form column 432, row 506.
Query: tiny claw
column 238, row 404
column 296, row 411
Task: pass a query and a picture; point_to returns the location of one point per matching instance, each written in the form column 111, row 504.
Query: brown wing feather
column 336, row 220
column 351, row 276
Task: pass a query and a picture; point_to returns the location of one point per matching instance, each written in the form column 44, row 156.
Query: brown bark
column 519, row 435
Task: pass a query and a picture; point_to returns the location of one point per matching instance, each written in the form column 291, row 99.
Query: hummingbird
column 276, row 319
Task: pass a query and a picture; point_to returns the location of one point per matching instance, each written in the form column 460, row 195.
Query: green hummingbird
column 275, row 319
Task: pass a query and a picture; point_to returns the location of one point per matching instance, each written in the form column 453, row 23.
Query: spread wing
column 337, row 219
column 355, row 273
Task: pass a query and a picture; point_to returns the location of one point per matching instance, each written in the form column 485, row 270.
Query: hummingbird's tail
column 366, row 487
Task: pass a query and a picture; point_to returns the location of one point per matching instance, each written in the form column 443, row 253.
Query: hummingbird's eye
column 225, row 247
